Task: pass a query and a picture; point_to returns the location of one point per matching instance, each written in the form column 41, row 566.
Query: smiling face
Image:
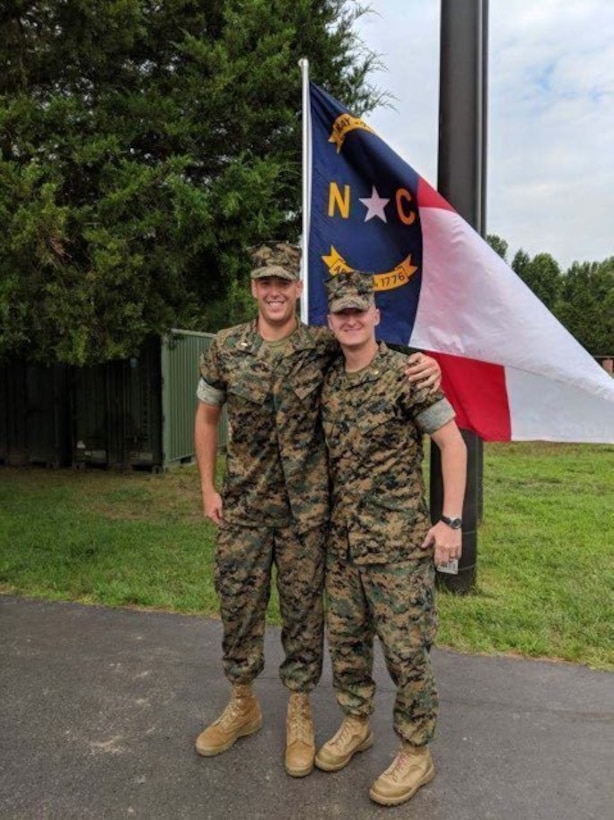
column 276, row 300
column 354, row 328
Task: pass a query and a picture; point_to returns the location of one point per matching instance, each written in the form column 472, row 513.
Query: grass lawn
column 545, row 548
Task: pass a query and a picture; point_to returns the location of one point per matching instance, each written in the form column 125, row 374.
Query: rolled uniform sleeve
column 434, row 417
column 209, row 394
column 210, row 388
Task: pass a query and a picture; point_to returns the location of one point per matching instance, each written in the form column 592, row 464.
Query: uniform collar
column 373, row 370
column 250, row 341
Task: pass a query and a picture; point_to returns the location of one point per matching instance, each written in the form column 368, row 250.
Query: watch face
column 455, row 523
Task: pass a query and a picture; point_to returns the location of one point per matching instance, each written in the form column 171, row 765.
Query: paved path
column 99, row 709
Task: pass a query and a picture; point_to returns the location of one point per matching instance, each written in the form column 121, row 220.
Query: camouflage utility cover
column 281, row 259
column 276, row 465
column 373, row 423
column 349, row 290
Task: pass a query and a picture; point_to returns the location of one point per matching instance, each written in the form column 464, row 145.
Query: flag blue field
column 364, row 216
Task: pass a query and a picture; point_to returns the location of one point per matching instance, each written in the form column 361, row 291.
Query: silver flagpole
column 306, row 199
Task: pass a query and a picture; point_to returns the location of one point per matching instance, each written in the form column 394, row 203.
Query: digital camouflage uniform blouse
column 373, row 422
column 276, row 466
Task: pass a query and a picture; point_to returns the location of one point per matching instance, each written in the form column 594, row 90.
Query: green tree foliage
column 586, row 305
column 498, row 245
column 582, row 298
column 143, row 146
column 521, row 263
column 542, row 274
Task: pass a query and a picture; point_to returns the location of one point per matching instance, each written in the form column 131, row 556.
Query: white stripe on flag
column 543, row 409
column 473, row 305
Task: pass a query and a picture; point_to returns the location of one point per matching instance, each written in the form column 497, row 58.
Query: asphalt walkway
column 99, row 709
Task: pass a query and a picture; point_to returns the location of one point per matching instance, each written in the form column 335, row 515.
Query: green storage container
column 90, row 416
column 130, row 413
column 181, row 351
column 139, row 412
column 47, row 423
column 34, row 415
column 13, row 415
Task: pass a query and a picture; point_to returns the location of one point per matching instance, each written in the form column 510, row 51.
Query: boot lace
column 347, row 730
column 230, row 714
column 300, row 722
column 400, row 766
column 300, row 727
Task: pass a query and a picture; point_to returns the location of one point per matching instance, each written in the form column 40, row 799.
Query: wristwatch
column 454, row 523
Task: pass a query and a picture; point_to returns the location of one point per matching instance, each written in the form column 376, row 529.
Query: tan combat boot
column 300, row 743
column 411, row 768
column 354, row 735
column 241, row 717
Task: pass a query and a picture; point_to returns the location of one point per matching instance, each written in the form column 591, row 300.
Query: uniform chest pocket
column 356, row 422
column 306, row 380
column 376, row 417
column 254, row 391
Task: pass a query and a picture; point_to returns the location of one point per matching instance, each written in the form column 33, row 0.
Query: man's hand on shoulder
column 424, row 372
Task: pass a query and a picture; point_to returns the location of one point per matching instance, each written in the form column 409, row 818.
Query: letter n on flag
column 510, row 369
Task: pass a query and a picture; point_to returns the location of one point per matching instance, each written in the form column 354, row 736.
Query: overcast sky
column 550, row 115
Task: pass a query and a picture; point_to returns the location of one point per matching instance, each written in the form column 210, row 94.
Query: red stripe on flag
column 428, row 197
column 478, row 393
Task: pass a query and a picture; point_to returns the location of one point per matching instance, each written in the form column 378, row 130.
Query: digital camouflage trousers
column 396, row 603
column 243, row 572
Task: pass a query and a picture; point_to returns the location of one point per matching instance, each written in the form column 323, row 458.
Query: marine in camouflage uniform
column 373, row 422
column 275, row 503
column 379, row 578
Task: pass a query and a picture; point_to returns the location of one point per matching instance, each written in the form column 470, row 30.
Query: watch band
column 454, row 523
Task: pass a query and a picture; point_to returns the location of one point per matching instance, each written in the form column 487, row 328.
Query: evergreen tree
column 586, row 305
column 520, row 264
column 543, row 276
column 143, row 146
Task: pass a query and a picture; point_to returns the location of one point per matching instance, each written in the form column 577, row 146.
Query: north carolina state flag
column 510, row 369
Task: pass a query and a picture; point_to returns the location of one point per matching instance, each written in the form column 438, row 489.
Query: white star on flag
column 375, row 205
